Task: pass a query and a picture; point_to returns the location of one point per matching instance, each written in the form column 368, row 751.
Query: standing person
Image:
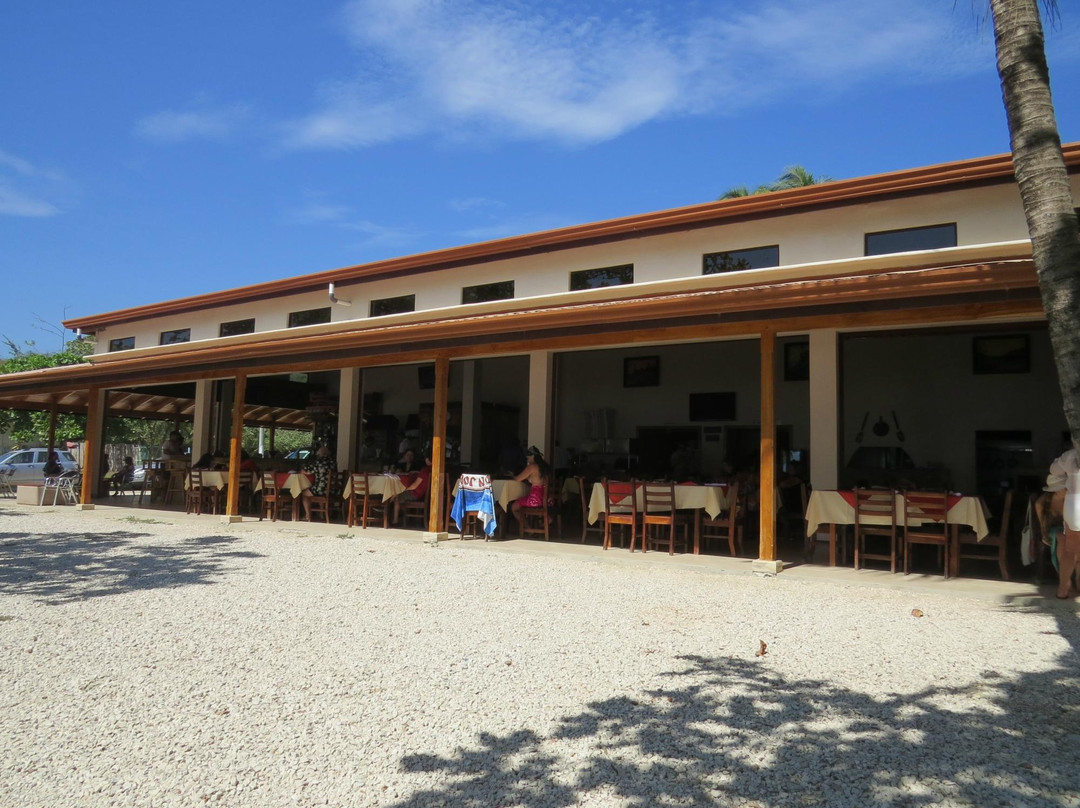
column 1050, row 511
column 417, row 488
column 174, row 445
column 537, row 473
column 319, row 466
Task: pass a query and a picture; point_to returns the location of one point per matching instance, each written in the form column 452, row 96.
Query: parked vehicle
column 27, row 465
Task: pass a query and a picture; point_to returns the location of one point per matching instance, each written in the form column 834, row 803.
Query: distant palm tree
column 797, row 177
column 793, row 177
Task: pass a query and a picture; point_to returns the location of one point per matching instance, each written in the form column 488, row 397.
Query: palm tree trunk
column 1044, row 186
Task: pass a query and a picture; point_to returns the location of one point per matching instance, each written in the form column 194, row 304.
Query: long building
column 883, row 320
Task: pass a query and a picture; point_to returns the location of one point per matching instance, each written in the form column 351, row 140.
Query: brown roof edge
column 997, row 168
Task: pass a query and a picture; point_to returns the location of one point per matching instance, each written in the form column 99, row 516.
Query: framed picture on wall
column 641, row 371
column 796, row 361
column 426, row 377
column 1005, row 353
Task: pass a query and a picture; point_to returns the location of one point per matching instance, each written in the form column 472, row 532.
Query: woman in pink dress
column 537, row 473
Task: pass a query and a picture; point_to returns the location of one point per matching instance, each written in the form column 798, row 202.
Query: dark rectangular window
column 122, row 344
column 309, row 317
column 735, row 260
column 393, row 305
column 237, row 327
column 932, row 237
column 501, row 290
column 177, row 335
column 599, row 278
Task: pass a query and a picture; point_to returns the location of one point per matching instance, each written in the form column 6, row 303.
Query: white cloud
column 16, row 203
column 172, row 126
column 316, row 211
column 464, row 205
column 25, row 188
column 477, row 68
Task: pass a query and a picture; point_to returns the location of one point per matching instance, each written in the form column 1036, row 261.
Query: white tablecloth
column 712, row 499
column 387, row 486
column 830, row 508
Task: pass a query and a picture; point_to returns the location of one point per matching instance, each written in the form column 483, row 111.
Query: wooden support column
column 232, row 502
column 438, row 448
column 767, row 562
column 95, row 423
column 52, row 423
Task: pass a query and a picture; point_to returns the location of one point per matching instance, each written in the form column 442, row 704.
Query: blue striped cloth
column 480, row 501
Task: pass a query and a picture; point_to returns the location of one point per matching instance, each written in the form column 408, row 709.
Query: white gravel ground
column 185, row 662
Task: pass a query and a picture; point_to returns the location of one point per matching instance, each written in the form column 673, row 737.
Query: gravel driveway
column 182, row 662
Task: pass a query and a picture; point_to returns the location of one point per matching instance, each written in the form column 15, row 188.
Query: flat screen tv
column 712, row 406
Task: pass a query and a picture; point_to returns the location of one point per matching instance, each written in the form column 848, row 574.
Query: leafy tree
column 33, row 427
column 1044, row 183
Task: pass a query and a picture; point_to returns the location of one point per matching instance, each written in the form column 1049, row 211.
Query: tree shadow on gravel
column 65, row 567
column 727, row 731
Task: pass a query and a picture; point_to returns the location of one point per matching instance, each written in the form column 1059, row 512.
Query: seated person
column 174, row 446
column 52, row 467
column 124, row 475
column 537, row 473
column 416, row 489
column 246, row 462
column 407, row 463
column 319, row 465
column 205, row 462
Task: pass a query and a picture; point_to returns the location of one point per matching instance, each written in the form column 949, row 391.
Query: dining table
column 295, row 483
column 386, row 485
column 712, row 498
column 837, row 507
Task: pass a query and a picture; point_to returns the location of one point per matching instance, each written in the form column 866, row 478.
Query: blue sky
column 150, row 151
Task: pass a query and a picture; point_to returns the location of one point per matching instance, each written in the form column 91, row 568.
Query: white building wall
column 986, row 215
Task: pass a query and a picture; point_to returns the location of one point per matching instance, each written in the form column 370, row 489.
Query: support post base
column 768, row 568
column 434, row 538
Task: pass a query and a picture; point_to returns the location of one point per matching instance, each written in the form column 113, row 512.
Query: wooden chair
column 272, row 498
column 660, row 522
column 971, row 549
column 617, row 497
column 926, row 522
column 536, row 521
column 416, row 510
column 363, row 505
column 584, row 492
column 791, row 512
column 879, row 505
column 320, row 505
column 199, row 497
column 726, row 526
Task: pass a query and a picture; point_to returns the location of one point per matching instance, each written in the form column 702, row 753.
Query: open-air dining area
column 880, row 394
column 691, row 458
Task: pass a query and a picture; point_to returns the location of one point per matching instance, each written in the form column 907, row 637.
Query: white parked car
column 27, row 465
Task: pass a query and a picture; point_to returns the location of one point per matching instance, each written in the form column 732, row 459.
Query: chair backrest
column 269, row 483
column 619, row 495
column 658, row 497
column 360, row 484
column 196, row 479
column 874, row 503
column 926, row 511
column 583, row 494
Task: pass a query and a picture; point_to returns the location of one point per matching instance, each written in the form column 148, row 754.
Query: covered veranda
column 819, row 303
